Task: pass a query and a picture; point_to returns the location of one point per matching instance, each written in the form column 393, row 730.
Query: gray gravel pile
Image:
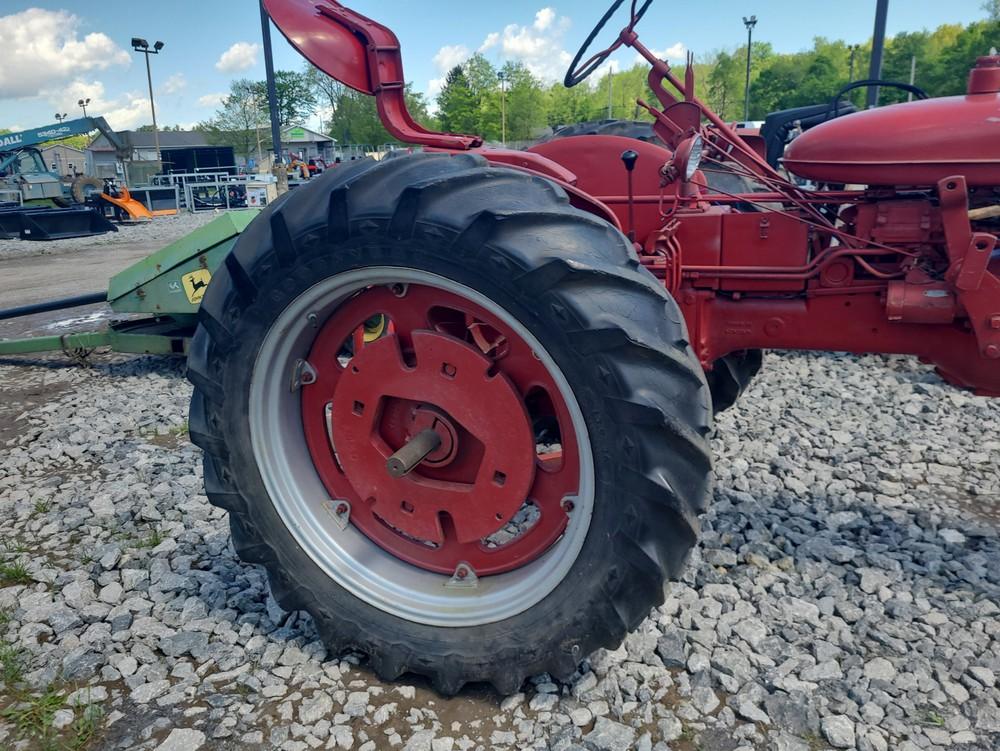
column 845, row 596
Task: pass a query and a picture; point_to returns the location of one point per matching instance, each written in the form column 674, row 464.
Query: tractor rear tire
column 565, row 282
column 641, row 130
column 731, row 376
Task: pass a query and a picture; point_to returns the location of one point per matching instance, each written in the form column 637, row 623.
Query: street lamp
column 749, row 23
column 61, row 117
column 82, row 103
column 141, row 45
column 502, row 76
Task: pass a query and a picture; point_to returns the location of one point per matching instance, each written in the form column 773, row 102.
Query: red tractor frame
column 898, row 266
column 458, row 401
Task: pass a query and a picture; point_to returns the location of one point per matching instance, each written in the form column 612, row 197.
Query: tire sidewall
column 585, row 582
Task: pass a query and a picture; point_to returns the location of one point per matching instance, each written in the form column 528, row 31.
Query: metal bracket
column 340, row 510
column 463, row 578
column 303, row 374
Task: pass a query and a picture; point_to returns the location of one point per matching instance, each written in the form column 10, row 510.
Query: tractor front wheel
column 453, row 418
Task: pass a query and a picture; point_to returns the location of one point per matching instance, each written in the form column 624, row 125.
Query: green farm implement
column 155, row 301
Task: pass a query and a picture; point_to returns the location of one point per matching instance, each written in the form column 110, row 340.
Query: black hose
column 61, row 304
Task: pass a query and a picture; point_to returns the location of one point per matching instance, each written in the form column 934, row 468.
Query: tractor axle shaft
column 414, row 451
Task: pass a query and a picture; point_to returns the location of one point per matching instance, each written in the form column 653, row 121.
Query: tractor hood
column 913, row 144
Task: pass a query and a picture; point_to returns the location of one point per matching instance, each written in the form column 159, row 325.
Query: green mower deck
column 166, row 286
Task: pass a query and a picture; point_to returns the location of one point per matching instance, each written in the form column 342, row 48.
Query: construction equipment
column 157, row 298
column 552, row 315
column 22, row 167
column 45, row 212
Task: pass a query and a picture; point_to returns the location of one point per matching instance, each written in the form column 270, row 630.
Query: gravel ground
column 155, row 233
column 845, row 594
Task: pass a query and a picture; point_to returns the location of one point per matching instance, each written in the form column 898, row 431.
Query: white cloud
column 211, row 100
column 544, row 19
column 41, row 49
column 122, row 113
column 675, row 53
column 449, row 56
column 176, row 83
column 539, row 46
column 434, row 87
column 446, row 58
column 239, row 57
column 491, row 41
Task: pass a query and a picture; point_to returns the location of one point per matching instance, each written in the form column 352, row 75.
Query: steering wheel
column 578, row 72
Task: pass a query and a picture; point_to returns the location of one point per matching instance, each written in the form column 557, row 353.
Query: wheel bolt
column 568, row 506
column 341, row 508
column 995, row 321
column 993, row 352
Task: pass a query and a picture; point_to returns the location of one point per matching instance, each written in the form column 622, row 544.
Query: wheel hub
column 456, row 377
column 427, row 432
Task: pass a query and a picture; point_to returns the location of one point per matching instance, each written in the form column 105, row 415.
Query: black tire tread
column 637, row 333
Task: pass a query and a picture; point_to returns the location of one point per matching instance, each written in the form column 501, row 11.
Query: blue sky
column 56, row 51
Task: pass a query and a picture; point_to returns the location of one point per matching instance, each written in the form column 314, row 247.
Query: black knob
column 629, row 158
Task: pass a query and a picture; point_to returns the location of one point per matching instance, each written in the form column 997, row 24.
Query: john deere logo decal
column 195, row 285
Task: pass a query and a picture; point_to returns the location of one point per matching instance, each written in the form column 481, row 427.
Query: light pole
column 749, row 23
column 61, row 117
column 141, row 45
column 854, row 50
column 611, row 79
column 502, row 76
column 82, row 104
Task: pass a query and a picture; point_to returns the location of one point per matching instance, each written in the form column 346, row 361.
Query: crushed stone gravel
column 845, row 594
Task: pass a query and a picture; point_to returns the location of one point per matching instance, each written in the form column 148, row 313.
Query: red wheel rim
column 445, row 364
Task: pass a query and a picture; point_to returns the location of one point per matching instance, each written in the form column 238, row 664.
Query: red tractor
column 458, row 402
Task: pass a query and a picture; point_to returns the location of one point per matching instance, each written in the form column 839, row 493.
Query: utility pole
column 878, row 45
column 502, row 76
column 141, row 45
column 749, row 23
column 610, row 84
column 854, row 50
column 913, row 76
column 272, row 92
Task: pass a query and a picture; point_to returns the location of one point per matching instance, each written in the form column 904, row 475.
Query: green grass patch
column 32, row 714
column 11, row 663
column 84, row 728
column 14, row 573
column 155, row 538
column 42, row 507
column 933, row 718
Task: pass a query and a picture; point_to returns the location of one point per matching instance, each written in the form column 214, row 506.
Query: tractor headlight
column 697, row 149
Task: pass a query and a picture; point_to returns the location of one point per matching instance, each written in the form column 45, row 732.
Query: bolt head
column 341, row 508
column 993, row 352
column 995, row 321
